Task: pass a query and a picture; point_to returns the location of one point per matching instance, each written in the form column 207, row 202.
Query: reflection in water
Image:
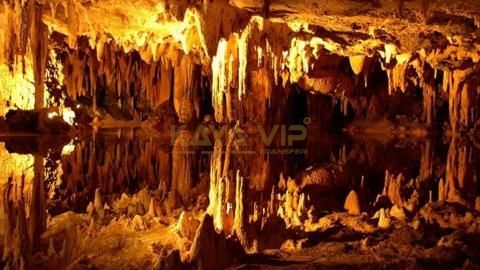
column 256, row 195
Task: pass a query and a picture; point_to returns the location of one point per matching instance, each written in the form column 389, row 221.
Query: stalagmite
column 151, row 209
column 209, row 250
column 441, row 190
column 91, row 230
column 352, row 203
column 393, row 188
column 187, row 225
column 384, row 222
column 292, row 206
column 98, row 203
column 398, row 212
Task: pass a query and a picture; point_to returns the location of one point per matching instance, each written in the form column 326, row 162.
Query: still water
column 325, row 166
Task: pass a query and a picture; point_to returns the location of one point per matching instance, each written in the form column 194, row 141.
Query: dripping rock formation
column 190, row 134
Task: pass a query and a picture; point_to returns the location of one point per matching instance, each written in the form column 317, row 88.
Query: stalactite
column 17, row 249
column 136, row 164
column 239, row 221
column 37, row 220
column 459, row 176
column 357, row 63
column 256, row 105
column 460, row 97
column 216, row 185
column 468, row 105
column 298, row 60
column 185, row 89
column 426, row 161
column 22, row 245
column 75, row 75
column 225, row 76
column 211, row 29
column 7, row 40
column 8, row 225
column 165, row 81
column 220, row 82
column 429, row 97
column 426, row 80
column 397, row 79
column 73, row 22
column 165, row 165
column 39, row 47
column 17, row 23
column 131, row 82
column 243, row 53
column 182, row 165
column 389, row 53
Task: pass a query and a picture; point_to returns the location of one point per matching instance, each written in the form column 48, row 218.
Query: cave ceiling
column 447, row 29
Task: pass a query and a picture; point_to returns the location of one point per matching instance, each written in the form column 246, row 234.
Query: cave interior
column 239, row 134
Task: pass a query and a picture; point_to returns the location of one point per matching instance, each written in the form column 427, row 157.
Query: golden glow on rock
column 357, row 63
column 17, row 90
column 15, row 166
column 52, row 115
column 140, row 25
column 68, row 116
column 297, row 59
column 68, row 149
column 220, row 81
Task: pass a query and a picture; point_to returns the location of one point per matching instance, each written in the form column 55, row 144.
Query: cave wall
column 140, row 57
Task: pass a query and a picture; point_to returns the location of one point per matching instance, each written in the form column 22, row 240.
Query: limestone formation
column 352, row 203
column 398, row 212
column 209, row 249
column 179, row 134
column 187, row 226
column 384, row 221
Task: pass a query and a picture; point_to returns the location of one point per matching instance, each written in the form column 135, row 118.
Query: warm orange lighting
column 17, row 90
column 68, row 116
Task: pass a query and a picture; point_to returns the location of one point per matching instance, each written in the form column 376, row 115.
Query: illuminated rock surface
column 244, row 133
